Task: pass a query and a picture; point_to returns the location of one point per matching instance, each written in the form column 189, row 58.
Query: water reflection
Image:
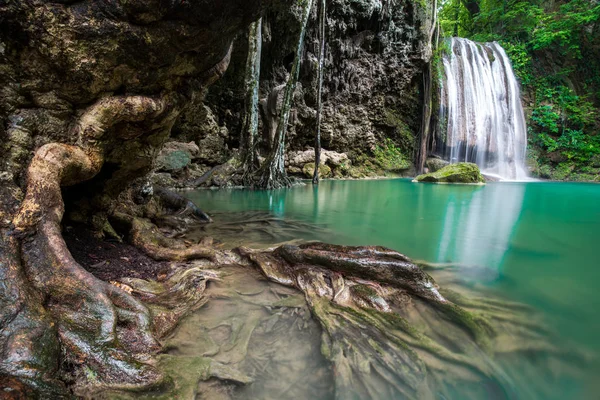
column 479, row 224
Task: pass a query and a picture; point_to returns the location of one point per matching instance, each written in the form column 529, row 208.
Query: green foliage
column 558, row 124
column 521, row 61
column 551, row 45
column 390, row 157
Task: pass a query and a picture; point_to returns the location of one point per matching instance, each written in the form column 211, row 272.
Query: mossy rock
column 309, row 170
column 174, row 161
column 454, row 173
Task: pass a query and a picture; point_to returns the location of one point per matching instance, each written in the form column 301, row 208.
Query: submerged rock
column 454, row 173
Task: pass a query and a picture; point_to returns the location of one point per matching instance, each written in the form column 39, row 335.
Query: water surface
column 536, row 243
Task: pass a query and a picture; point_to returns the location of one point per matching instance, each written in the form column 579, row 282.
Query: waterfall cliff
column 481, row 118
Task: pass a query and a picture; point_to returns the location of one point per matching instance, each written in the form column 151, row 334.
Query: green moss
column 545, row 171
column 562, row 171
column 403, row 135
column 364, row 291
column 389, row 157
column 309, row 170
column 454, row 173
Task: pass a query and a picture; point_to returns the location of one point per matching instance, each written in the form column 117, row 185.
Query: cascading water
column 481, row 118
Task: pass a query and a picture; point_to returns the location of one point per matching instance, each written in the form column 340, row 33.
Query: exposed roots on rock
column 369, row 302
column 145, row 235
column 171, row 300
column 105, row 333
column 180, row 205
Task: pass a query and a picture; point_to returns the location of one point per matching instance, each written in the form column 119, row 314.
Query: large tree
column 90, row 91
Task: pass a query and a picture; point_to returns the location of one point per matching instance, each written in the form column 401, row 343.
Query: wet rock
column 332, row 158
column 454, row 173
column 332, row 163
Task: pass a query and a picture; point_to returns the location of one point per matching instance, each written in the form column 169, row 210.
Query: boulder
column 297, row 159
column 309, row 169
column 173, row 160
column 454, row 173
column 175, row 156
column 190, row 148
column 435, row 164
column 213, row 151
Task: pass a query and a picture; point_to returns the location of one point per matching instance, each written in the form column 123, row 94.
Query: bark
column 272, row 174
column 322, row 25
column 425, row 131
column 252, row 82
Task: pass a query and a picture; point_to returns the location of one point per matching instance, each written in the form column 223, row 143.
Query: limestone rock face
column 375, row 55
column 454, row 173
column 176, row 155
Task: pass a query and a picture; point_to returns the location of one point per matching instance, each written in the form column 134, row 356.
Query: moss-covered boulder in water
column 454, row 173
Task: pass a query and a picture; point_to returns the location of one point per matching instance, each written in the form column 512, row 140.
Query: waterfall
column 481, row 118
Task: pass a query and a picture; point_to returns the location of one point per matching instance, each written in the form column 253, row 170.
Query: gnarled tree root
column 145, row 235
column 361, row 296
column 105, row 333
column 173, row 299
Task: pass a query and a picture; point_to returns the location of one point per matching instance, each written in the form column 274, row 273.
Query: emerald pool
column 537, row 243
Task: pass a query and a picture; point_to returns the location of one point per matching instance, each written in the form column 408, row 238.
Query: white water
column 481, row 112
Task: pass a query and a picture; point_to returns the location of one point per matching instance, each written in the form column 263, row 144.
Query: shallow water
column 260, row 329
column 530, row 242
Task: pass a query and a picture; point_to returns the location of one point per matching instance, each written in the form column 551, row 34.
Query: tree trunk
column 250, row 125
column 322, row 24
column 272, row 174
column 427, row 95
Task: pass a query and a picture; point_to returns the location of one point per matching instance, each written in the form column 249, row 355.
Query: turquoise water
column 537, row 243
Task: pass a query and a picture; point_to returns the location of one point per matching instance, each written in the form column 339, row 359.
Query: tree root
column 105, row 333
column 170, row 301
column 29, row 346
column 362, row 297
column 180, row 204
column 145, row 236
